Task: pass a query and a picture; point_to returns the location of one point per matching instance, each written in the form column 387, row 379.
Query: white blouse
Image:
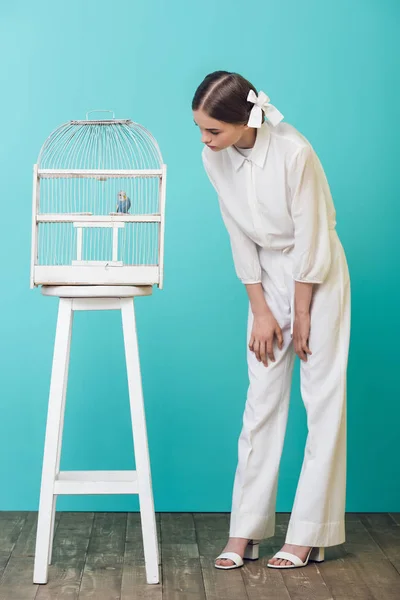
column 276, row 197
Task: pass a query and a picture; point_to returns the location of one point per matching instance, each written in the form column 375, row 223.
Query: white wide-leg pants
column 317, row 517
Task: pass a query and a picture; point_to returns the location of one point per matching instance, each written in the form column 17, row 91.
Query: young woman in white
column 276, row 204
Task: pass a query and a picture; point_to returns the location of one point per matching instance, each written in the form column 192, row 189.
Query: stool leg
column 51, row 537
column 141, row 448
column 59, row 443
column 52, row 445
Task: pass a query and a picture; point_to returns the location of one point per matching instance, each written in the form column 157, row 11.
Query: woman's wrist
column 259, row 306
column 302, row 299
column 259, row 313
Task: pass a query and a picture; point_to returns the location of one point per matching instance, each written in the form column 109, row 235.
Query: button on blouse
column 276, row 197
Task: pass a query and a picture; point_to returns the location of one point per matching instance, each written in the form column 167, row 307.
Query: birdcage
column 98, row 206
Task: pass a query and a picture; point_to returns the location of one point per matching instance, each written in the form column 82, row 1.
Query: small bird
column 124, row 203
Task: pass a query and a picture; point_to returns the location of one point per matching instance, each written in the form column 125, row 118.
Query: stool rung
column 96, row 482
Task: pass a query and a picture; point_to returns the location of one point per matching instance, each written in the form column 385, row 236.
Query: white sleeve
column 312, row 254
column 244, row 250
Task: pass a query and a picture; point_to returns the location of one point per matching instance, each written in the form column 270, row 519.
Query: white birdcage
column 98, row 206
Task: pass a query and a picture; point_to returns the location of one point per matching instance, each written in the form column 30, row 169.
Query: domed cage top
column 98, row 206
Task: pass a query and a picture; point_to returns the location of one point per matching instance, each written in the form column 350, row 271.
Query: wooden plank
column 301, row 584
column 11, row 525
column 71, row 542
column 220, row 584
column 358, row 568
column 376, row 579
column 26, row 543
column 4, row 558
column 102, row 574
column 181, row 567
column 212, row 530
column 134, row 583
column 306, row 584
column 385, row 530
column 16, row 580
column 358, row 544
column 261, row 581
column 396, row 517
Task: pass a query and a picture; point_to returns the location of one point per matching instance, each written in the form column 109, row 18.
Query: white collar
column 258, row 152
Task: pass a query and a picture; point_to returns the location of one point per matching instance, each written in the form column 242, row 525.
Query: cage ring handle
column 99, row 110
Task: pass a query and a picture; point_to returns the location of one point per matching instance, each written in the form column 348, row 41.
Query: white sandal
column 251, row 552
column 316, row 554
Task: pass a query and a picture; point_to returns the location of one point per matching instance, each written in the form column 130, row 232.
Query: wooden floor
column 100, row 556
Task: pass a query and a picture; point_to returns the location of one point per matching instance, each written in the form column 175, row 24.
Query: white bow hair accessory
column 262, row 103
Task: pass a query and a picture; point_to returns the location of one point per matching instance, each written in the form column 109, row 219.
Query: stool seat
column 96, row 291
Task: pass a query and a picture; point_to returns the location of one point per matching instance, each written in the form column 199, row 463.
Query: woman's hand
column 265, row 328
column 301, row 333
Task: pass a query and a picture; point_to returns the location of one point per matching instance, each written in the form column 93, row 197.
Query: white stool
column 54, row 481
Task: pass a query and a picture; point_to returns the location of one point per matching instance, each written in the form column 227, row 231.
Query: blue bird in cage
column 124, row 203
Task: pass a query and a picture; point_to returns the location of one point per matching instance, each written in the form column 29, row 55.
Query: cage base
column 96, row 275
column 96, row 291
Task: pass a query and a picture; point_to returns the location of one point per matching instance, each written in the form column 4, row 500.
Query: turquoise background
column 332, row 69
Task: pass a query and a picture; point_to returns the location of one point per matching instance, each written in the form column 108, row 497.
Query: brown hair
column 223, row 96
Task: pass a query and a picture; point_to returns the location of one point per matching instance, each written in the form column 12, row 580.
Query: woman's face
column 218, row 135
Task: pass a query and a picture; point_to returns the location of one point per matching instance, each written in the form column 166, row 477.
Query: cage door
column 92, row 250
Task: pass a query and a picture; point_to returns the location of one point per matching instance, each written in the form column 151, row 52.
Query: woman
column 276, row 204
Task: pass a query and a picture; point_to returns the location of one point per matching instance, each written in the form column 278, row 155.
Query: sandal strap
column 289, row 556
column 236, row 558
